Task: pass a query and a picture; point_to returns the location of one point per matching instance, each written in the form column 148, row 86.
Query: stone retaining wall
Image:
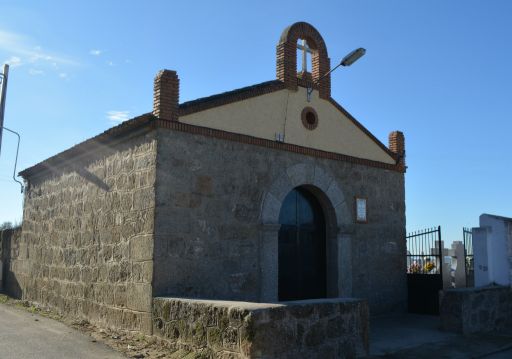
column 323, row 328
column 474, row 310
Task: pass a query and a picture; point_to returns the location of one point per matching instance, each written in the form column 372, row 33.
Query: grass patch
column 30, row 307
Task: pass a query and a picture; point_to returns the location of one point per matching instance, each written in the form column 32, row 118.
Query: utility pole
column 3, row 79
column 3, row 83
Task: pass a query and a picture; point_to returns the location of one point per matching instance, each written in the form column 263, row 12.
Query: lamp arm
column 16, row 160
column 346, row 61
column 310, row 88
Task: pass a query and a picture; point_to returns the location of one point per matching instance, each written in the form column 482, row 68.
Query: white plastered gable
column 279, row 113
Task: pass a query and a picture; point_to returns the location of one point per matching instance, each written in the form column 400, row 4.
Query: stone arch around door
column 339, row 228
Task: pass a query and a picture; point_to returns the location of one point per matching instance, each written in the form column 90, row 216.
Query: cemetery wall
column 209, row 225
column 87, row 236
column 476, row 310
column 325, row 328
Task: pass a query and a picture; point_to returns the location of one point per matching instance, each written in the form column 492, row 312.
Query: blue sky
column 440, row 71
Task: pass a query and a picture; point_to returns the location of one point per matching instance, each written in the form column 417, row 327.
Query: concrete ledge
column 476, row 310
column 323, row 328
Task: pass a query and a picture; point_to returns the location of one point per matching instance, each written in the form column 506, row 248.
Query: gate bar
column 440, row 254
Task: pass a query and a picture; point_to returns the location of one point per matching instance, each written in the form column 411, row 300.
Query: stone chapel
column 259, row 195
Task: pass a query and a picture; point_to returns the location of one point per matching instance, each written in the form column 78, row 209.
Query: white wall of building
column 492, row 245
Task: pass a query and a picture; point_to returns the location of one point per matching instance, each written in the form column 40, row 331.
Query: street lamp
column 346, row 61
column 352, row 57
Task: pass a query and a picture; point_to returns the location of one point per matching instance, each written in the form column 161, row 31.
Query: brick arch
column 287, row 57
column 338, row 228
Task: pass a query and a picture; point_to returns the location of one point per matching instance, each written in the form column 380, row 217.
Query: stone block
column 302, row 311
column 228, row 355
column 204, row 185
column 270, row 209
column 142, row 272
column 214, row 338
column 335, row 194
column 120, row 298
column 321, row 179
column 137, row 321
column 315, row 335
column 281, row 186
column 120, row 251
column 230, row 339
column 143, row 199
column 141, row 248
column 139, row 297
column 198, row 334
column 114, row 317
column 301, row 174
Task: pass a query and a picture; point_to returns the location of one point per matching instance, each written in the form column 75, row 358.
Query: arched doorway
column 302, row 247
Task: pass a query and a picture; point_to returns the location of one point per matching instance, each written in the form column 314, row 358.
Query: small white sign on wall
column 361, row 210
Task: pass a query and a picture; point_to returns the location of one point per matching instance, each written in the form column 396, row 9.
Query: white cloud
column 110, row 63
column 95, row 52
column 118, row 116
column 63, row 75
column 22, row 48
column 35, row 72
column 13, row 61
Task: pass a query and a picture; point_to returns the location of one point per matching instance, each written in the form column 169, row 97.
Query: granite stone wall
column 87, row 236
column 210, row 234
column 476, row 310
column 180, row 214
column 324, row 328
column 9, row 248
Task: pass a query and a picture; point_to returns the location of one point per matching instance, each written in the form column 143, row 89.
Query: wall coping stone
column 478, row 289
column 316, row 328
column 257, row 306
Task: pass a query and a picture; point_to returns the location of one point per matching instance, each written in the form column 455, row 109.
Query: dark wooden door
column 302, row 263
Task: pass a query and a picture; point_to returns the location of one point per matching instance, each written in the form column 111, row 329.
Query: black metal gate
column 424, row 270
column 469, row 263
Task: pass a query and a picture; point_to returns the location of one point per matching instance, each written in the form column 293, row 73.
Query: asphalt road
column 25, row 336
column 419, row 337
column 507, row 354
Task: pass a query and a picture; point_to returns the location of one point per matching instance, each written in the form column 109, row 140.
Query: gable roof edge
column 362, row 128
column 244, row 93
column 82, row 147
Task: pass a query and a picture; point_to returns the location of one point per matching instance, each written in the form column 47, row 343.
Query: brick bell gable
column 286, row 69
